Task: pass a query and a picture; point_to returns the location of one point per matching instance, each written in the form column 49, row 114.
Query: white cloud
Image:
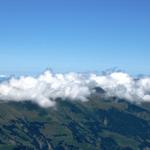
column 45, row 88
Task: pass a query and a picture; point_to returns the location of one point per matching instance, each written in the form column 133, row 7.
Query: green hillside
column 99, row 124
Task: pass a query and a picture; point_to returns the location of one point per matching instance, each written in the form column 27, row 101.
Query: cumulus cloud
column 45, row 88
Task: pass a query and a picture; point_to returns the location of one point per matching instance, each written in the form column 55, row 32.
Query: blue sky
column 74, row 35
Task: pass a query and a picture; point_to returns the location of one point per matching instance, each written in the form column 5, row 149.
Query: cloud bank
column 45, row 88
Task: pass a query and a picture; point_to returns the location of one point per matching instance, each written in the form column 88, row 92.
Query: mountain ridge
column 100, row 123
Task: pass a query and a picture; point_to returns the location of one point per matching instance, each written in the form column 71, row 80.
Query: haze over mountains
column 48, row 86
